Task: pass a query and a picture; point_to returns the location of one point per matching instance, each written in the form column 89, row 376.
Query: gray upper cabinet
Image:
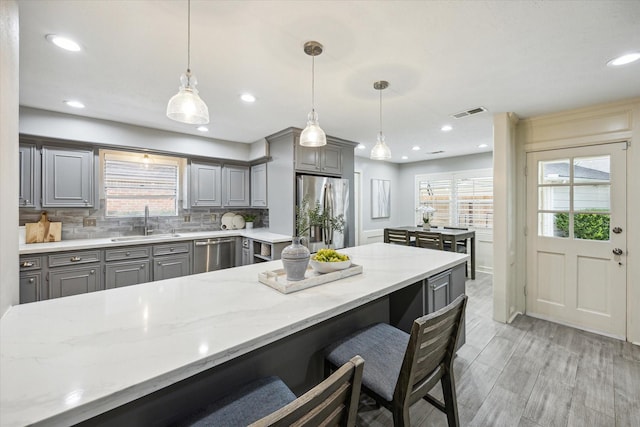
column 259, row 186
column 26, row 186
column 67, row 177
column 206, row 184
column 324, row 160
column 236, row 186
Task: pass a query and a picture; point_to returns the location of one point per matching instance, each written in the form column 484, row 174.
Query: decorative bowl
column 328, row 267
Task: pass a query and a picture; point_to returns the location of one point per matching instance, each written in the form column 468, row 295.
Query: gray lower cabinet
column 127, row 266
column 67, row 177
column 437, row 291
column 64, row 282
column 118, row 274
column 31, row 279
column 72, row 273
column 171, row 260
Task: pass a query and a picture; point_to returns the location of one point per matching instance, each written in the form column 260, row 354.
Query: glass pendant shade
column 381, row 150
column 313, row 135
column 186, row 106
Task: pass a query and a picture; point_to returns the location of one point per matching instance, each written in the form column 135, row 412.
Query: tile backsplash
column 188, row 220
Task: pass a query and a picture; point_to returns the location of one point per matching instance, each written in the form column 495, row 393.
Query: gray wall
column 75, row 128
column 402, row 178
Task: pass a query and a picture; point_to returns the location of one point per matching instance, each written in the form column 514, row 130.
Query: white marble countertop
column 67, row 359
column 262, row 234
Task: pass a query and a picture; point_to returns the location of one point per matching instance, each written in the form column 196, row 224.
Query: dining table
column 453, row 235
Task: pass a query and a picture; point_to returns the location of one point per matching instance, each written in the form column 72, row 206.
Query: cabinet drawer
column 30, row 263
column 73, row 258
column 175, row 248
column 126, row 253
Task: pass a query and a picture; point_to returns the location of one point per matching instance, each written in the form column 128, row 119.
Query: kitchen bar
column 67, row 360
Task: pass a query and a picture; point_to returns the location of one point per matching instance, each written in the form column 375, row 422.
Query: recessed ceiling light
column 63, row 42
column 247, row 97
column 446, row 128
column 483, row 145
column 361, row 147
column 203, row 129
column 415, row 148
column 404, row 157
column 624, row 59
column 74, row 104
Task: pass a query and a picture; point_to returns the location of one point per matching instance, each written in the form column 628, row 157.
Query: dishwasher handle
column 214, row 242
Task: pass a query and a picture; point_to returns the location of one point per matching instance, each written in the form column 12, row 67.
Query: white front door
column 576, row 237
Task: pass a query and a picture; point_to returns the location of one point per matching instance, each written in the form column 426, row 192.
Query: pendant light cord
column 313, row 81
column 380, row 111
column 188, row 36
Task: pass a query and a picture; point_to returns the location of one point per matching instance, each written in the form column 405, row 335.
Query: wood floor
column 532, row 373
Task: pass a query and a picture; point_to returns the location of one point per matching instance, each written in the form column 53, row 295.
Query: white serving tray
column 277, row 279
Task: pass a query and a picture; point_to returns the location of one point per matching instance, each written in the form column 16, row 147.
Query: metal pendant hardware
column 617, row 251
column 617, row 230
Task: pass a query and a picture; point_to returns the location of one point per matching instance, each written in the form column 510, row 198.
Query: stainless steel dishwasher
column 213, row 254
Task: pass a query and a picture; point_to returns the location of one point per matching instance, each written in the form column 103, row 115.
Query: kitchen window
column 132, row 181
column 461, row 199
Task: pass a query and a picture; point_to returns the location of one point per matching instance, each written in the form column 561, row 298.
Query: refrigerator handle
column 329, row 227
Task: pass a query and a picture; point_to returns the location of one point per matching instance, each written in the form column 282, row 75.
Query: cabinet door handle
column 92, row 272
column 171, row 249
column 128, row 254
column 26, row 264
column 142, row 267
column 159, row 263
column 32, row 280
column 75, row 259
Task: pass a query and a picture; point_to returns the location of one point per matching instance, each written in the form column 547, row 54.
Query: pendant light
column 313, row 135
column 186, row 106
column 381, row 150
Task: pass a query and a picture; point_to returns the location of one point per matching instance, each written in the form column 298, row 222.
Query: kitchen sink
column 144, row 238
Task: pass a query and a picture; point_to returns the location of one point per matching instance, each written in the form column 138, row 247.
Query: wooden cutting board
column 43, row 230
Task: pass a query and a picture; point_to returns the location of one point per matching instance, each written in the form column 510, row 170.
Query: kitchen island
column 67, row 360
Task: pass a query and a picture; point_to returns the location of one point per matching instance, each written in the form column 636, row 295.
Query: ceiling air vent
column 469, row 112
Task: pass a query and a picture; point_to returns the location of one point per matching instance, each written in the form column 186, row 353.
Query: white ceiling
column 440, row 57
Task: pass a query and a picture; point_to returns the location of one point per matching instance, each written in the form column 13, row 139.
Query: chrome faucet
column 147, row 230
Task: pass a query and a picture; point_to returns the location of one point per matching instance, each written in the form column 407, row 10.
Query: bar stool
column 400, row 237
column 269, row 402
column 402, row 368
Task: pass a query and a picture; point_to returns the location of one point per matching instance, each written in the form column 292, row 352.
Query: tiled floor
column 532, row 373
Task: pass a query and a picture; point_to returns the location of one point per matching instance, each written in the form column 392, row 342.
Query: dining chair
column 269, row 402
column 402, row 368
column 429, row 240
column 400, row 237
column 461, row 246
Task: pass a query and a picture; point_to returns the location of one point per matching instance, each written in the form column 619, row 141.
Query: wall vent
column 469, row 112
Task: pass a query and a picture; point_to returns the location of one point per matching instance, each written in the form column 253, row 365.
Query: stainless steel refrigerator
column 333, row 196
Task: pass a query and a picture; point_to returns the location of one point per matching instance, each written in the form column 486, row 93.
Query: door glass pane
column 591, row 226
column 553, row 224
column 587, row 170
column 553, row 198
column 553, row 172
column 592, row 198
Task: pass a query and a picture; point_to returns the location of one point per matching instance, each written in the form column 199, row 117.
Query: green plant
column 588, row 226
column 249, row 217
column 307, row 217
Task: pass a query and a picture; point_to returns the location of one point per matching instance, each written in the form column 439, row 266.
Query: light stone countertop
column 262, row 234
column 68, row 359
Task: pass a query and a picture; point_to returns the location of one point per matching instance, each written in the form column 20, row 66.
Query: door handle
column 617, row 251
column 617, row 230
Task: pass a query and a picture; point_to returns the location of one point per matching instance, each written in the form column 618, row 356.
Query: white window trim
column 453, row 175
